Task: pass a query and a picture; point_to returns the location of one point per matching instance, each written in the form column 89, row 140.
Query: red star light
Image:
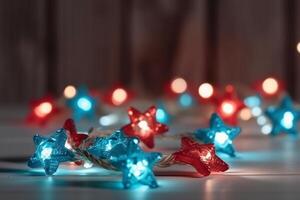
column 144, row 125
column 74, row 138
column 201, row 156
column 41, row 110
column 229, row 105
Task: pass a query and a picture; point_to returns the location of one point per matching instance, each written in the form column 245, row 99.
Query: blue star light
column 136, row 165
column 284, row 118
column 126, row 155
column 82, row 105
column 219, row 134
column 102, row 146
column 50, row 152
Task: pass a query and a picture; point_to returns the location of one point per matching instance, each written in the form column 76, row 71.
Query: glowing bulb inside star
column 245, row 114
column 228, row 108
column 206, row 157
column 270, row 86
column 287, row 120
column 84, row 104
column 143, row 125
column 119, row 96
column 221, row 138
column 205, row 90
column 137, row 169
column 178, row 85
column 46, row 153
column 70, row 91
column 43, row 109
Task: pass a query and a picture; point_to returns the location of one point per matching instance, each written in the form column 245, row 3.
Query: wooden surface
column 265, row 168
column 46, row 44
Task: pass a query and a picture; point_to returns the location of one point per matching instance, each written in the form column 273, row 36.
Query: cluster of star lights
column 121, row 150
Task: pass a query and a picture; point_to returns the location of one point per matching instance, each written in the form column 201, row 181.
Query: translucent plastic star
column 144, row 125
column 219, row 134
column 135, row 164
column 201, row 156
column 82, row 105
column 102, row 146
column 74, row 138
column 50, row 152
column 229, row 105
column 284, row 118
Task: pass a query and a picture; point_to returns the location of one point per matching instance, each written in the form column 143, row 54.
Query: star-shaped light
column 144, row 125
column 74, row 138
column 42, row 110
column 82, row 105
column 50, row 152
column 229, row 105
column 284, row 118
column 102, row 146
column 201, row 156
column 219, row 134
column 135, row 164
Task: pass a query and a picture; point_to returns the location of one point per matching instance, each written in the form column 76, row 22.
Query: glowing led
column 205, row 90
column 43, row 109
column 270, row 86
column 70, row 91
column 261, row 120
column 84, row 104
column 221, row 138
column 119, row 96
column 46, row 153
column 178, row 85
column 252, row 101
column 185, row 100
column 256, row 111
column 228, row 108
column 266, row 129
column 87, row 164
column 245, row 114
column 206, row 157
column 287, row 120
column 143, row 125
column 138, row 169
column 108, row 120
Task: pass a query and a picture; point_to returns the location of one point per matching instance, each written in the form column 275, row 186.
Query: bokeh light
column 178, row 85
column 228, row 108
column 84, row 104
column 119, row 96
column 245, row 114
column 205, row 90
column 43, row 109
column 270, row 86
column 70, row 92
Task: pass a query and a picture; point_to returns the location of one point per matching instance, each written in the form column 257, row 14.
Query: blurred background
column 48, row 44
